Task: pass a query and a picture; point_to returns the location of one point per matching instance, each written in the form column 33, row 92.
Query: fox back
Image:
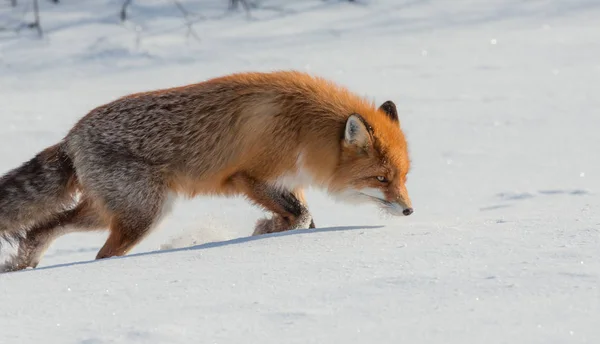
column 287, row 127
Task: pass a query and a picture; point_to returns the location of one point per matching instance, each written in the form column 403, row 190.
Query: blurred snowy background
column 499, row 102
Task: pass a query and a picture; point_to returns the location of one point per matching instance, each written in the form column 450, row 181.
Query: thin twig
column 23, row 25
column 233, row 4
column 188, row 23
column 36, row 23
column 246, row 5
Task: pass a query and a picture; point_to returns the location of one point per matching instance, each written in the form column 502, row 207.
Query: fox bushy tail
column 36, row 191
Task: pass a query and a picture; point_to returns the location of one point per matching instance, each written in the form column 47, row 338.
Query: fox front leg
column 277, row 223
column 289, row 208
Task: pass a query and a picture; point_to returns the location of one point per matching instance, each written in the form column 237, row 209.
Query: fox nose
column 407, row 211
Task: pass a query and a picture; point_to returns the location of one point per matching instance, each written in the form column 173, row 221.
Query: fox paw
column 272, row 225
column 279, row 224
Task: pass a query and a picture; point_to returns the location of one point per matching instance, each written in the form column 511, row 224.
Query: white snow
column 499, row 101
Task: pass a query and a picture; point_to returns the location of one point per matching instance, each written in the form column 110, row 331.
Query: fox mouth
column 371, row 196
column 382, row 202
column 379, row 200
column 390, row 207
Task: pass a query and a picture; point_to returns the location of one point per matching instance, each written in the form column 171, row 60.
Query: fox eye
column 382, row 179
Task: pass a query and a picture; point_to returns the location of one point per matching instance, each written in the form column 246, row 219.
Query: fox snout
column 402, row 207
column 398, row 208
column 402, row 203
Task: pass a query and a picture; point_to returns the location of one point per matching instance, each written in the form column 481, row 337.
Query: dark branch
column 124, row 9
column 36, row 24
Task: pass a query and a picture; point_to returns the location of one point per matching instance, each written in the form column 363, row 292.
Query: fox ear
column 357, row 131
column 389, row 108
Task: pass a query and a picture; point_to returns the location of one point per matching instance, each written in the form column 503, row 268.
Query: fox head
column 374, row 161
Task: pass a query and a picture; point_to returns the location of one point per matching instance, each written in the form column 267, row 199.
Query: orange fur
column 278, row 129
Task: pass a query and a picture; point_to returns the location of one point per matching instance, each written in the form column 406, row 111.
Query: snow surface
column 499, row 102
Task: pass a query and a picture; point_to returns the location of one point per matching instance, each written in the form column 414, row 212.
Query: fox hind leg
column 34, row 244
column 126, row 231
column 134, row 218
column 129, row 191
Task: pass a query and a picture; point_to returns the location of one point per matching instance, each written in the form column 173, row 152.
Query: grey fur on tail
column 35, row 191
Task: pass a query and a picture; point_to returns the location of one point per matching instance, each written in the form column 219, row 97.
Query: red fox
column 265, row 136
